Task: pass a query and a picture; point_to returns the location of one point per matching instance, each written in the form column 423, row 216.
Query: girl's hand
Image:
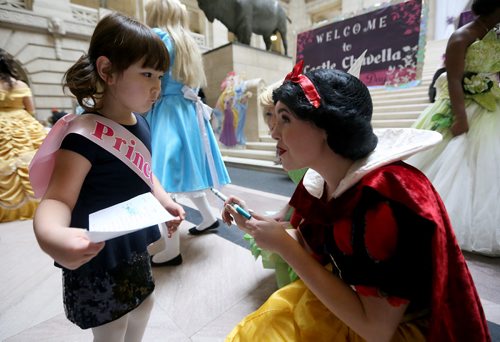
column 459, row 126
column 72, row 248
column 177, row 210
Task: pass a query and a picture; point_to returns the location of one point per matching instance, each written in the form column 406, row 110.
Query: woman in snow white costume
column 374, row 248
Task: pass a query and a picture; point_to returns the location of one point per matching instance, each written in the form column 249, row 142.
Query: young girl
column 107, row 286
column 374, row 249
column 188, row 160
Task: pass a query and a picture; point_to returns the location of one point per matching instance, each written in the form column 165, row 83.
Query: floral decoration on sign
column 302, row 40
column 406, row 70
column 409, row 14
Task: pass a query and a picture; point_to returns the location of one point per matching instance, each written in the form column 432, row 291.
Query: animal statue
column 242, row 17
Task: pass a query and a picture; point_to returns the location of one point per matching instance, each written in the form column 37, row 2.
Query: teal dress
column 186, row 156
column 465, row 170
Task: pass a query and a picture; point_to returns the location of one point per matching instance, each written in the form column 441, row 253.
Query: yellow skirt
column 20, row 137
column 293, row 313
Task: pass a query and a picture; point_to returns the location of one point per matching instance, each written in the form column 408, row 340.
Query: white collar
column 393, row 144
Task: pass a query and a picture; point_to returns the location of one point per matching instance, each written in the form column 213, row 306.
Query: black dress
column 119, row 278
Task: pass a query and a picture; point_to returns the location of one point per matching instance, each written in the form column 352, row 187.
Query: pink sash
column 106, row 133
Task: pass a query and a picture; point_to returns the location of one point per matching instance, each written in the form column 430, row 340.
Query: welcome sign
column 391, row 35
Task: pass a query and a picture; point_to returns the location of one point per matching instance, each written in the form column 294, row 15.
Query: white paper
column 137, row 213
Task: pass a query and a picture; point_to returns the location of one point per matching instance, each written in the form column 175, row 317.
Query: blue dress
column 180, row 158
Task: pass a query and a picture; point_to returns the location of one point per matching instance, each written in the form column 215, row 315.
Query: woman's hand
column 280, row 215
column 229, row 215
column 459, row 126
column 267, row 232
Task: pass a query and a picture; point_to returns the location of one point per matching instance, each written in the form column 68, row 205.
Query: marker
column 236, row 207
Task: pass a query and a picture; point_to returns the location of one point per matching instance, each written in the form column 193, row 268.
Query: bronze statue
column 242, row 17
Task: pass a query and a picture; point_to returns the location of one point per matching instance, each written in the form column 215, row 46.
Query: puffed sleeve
column 393, row 244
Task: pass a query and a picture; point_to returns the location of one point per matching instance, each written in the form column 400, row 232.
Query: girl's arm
column 28, row 104
column 455, row 65
column 372, row 318
column 69, row 247
column 27, row 100
column 168, row 203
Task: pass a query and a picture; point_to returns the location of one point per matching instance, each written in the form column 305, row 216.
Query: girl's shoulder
column 16, row 84
column 20, row 84
column 464, row 37
column 459, row 41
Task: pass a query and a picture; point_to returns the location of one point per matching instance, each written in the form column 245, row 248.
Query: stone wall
column 44, row 47
column 47, row 36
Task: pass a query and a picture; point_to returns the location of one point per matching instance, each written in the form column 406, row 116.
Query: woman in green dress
column 465, row 167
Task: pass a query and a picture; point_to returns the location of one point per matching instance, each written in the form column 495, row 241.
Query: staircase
column 391, row 108
column 258, row 155
column 401, row 107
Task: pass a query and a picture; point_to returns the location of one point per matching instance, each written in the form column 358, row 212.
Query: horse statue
column 242, row 17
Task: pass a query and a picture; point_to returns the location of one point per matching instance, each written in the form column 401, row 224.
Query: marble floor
column 218, row 283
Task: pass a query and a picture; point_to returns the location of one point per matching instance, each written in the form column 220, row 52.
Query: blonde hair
column 172, row 16
column 266, row 96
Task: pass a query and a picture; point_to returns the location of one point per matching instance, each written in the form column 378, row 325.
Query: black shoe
column 172, row 262
column 195, row 231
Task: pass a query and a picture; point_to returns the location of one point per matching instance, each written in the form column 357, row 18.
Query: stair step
column 375, row 92
column 400, row 96
column 400, row 108
column 252, row 154
column 396, row 116
column 261, row 145
column 266, row 138
column 400, row 101
column 398, row 123
column 255, row 164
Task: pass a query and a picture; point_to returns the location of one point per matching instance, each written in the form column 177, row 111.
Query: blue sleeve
column 165, row 37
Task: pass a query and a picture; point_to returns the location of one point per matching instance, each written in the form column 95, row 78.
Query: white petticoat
column 465, row 170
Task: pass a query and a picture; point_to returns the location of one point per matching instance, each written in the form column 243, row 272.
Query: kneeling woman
column 374, row 249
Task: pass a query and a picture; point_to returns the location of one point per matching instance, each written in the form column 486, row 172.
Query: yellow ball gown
column 20, row 136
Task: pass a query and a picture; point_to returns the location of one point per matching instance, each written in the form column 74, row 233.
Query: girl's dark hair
column 7, row 68
column 345, row 112
column 124, row 41
column 484, row 7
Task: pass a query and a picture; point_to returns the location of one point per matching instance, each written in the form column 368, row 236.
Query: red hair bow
column 296, row 76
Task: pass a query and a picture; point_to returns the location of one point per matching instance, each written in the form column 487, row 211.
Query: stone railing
column 18, row 4
column 84, row 14
column 200, row 40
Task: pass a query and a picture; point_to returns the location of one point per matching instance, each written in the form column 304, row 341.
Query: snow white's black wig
column 345, row 111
